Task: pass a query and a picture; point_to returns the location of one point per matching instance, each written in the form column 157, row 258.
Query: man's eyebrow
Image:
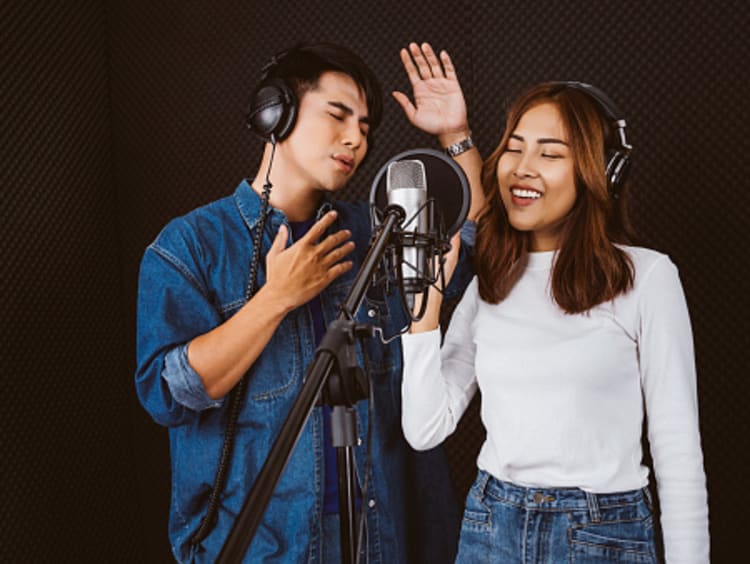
column 541, row 140
column 347, row 110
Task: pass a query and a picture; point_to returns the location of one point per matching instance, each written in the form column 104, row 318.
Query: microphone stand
column 335, row 359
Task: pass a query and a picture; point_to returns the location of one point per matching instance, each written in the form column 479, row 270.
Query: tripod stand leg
column 344, row 427
column 347, row 510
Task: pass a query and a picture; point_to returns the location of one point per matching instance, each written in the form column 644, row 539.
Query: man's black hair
column 301, row 67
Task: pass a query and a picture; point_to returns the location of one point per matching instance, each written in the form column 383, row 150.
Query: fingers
column 456, row 240
column 279, row 242
column 327, row 264
column 339, row 269
column 405, row 104
column 328, row 250
column 435, row 68
column 450, row 70
column 411, row 70
column 334, row 242
column 338, row 253
column 319, row 228
column 421, row 63
column 332, row 248
column 451, row 257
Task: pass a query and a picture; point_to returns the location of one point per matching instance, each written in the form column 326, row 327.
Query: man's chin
column 333, row 187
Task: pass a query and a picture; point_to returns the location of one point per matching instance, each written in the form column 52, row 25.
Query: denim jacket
column 193, row 277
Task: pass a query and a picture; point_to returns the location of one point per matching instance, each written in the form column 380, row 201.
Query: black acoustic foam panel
column 181, row 76
column 164, row 85
column 68, row 486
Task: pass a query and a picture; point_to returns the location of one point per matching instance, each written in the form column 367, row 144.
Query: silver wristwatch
column 460, row 146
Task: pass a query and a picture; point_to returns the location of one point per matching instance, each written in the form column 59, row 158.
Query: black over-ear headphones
column 273, row 106
column 618, row 152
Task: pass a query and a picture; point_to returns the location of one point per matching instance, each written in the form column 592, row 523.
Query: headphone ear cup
column 289, row 117
column 273, row 110
column 617, row 169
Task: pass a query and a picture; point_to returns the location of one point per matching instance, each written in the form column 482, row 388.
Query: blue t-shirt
column 331, row 495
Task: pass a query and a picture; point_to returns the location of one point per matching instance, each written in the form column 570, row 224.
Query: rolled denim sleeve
column 469, row 233
column 465, row 267
column 174, row 307
column 184, row 382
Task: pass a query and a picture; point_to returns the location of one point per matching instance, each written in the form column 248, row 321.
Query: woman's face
column 536, row 176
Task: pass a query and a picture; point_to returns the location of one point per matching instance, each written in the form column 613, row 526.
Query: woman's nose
column 525, row 167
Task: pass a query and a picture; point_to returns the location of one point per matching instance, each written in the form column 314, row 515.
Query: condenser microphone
column 434, row 195
column 406, row 187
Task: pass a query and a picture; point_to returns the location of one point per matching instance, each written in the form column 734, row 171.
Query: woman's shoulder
column 651, row 266
column 472, row 289
column 471, row 298
column 644, row 258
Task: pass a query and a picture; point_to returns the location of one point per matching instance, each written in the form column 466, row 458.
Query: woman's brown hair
column 589, row 268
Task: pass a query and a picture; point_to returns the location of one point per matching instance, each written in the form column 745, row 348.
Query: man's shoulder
column 200, row 223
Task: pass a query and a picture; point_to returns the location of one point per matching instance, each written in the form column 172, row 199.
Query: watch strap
column 459, row 147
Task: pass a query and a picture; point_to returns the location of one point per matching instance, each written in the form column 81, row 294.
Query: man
column 204, row 325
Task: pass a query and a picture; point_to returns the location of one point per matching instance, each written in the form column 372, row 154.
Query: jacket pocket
column 277, row 372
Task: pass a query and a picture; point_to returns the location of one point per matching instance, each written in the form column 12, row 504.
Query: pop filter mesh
column 446, row 184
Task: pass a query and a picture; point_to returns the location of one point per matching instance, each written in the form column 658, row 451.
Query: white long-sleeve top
column 563, row 395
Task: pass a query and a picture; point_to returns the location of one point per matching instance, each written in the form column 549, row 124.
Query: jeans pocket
column 616, row 541
column 476, row 542
column 476, row 518
column 477, row 515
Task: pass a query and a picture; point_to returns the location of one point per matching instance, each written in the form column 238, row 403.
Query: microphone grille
column 407, row 174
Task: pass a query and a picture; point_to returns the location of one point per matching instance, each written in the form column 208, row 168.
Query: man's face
column 329, row 139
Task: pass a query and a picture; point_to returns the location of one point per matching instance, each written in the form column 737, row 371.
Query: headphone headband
column 272, row 64
column 605, row 102
column 618, row 157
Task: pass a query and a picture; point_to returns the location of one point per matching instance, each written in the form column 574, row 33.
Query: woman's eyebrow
column 552, row 140
column 541, row 140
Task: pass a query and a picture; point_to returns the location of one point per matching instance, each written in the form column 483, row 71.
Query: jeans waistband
column 557, row 499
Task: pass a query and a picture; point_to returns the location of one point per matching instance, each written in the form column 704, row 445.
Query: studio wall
column 122, row 115
column 68, row 486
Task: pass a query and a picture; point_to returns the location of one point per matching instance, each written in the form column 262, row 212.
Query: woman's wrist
column 431, row 318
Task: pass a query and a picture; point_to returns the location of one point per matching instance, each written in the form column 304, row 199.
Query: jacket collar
column 248, row 203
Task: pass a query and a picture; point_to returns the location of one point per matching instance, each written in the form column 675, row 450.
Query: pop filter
column 446, row 185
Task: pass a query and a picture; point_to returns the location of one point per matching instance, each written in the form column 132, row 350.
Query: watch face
column 460, row 147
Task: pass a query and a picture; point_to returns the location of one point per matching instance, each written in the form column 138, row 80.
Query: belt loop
column 485, row 479
column 593, row 504
column 648, row 497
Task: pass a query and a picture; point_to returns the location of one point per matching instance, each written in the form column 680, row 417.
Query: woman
column 572, row 336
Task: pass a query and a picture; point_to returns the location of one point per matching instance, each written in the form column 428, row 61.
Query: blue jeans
column 513, row 524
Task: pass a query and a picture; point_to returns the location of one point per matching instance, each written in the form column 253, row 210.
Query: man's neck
column 296, row 205
column 289, row 193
